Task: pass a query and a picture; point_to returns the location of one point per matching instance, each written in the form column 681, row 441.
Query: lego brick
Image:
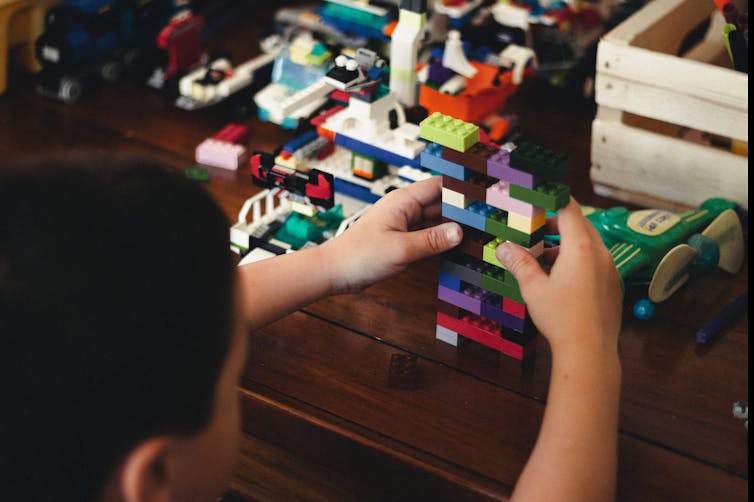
column 507, row 173
column 526, row 225
column 493, row 280
column 487, row 333
column 456, row 199
column 375, row 152
column 519, row 330
column 217, row 153
column 449, row 282
column 356, row 191
column 488, row 254
column 475, row 158
column 460, row 299
column 475, row 186
column 542, row 162
column 197, row 173
column 431, row 158
column 514, row 308
column 464, row 216
column 497, row 225
column 403, row 372
column 448, row 336
column 473, row 241
column 448, row 309
column 550, row 196
column 449, row 132
column 462, row 268
column 498, row 195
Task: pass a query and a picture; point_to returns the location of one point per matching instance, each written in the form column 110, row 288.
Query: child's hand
column 390, row 236
column 577, row 306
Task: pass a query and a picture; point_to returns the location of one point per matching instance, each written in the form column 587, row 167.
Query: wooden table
column 321, row 422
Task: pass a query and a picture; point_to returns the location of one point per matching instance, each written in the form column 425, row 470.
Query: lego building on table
column 496, row 194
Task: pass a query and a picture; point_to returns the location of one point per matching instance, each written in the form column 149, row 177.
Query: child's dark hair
column 116, row 304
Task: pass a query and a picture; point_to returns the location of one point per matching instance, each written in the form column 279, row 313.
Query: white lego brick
column 456, row 199
column 317, row 90
column 256, row 254
column 412, row 173
column 444, row 334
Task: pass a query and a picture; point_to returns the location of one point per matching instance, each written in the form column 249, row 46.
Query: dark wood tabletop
column 321, row 422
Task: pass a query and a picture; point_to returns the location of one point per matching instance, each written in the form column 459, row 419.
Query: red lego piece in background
column 320, row 118
column 326, row 150
column 233, row 133
column 340, row 96
column 322, row 190
column 181, row 38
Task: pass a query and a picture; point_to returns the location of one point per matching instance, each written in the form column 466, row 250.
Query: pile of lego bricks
column 496, row 195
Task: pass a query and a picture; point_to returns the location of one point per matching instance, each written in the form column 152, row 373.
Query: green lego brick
column 449, row 132
column 542, row 162
column 493, row 280
column 197, row 173
column 497, row 225
column 548, row 195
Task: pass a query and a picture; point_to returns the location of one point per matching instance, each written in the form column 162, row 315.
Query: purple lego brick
column 498, row 166
column 498, row 315
column 463, row 300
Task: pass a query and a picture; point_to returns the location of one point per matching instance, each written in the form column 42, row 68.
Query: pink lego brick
column 216, row 153
column 498, row 196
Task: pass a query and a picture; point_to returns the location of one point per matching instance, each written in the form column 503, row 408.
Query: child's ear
column 147, row 474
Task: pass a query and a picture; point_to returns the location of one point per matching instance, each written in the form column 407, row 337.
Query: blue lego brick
column 300, row 141
column 463, row 216
column 356, row 191
column 376, row 153
column 431, row 158
column 449, row 282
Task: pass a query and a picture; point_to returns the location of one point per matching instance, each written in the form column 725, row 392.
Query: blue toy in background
column 89, row 41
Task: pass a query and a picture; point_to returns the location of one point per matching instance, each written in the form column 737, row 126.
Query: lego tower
column 496, row 195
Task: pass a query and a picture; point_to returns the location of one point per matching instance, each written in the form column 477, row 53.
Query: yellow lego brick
column 527, row 225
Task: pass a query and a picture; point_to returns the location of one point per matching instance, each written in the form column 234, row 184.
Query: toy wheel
column 111, row 71
column 70, row 89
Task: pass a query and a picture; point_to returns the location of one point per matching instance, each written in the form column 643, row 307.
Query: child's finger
column 432, row 240
column 551, row 226
column 524, row 267
column 550, row 255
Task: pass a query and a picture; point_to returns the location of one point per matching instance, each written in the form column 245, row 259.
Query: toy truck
column 89, row 41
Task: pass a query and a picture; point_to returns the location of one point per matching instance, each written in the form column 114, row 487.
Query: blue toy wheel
column 644, row 309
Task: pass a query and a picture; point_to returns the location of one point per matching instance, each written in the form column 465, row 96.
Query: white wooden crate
column 649, row 99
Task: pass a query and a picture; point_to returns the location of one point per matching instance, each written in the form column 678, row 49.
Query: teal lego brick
column 542, row 162
column 449, row 132
column 497, row 225
column 549, row 195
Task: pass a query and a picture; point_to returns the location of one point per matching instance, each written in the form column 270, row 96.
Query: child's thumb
column 434, row 240
column 519, row 262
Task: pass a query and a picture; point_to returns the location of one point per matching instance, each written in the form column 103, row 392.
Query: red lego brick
column 487, row 333
column 233, row 133
column 514, row 308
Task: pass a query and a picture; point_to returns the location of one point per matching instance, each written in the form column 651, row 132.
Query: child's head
column 119, row 350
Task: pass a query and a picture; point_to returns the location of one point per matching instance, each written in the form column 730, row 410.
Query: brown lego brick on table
column 475, row 158
column 403, row 372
